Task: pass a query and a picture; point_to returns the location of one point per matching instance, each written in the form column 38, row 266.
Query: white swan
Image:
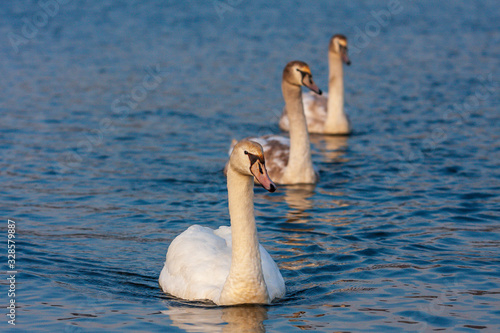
column 325, row 114
column 289, row 160
column 227, row 266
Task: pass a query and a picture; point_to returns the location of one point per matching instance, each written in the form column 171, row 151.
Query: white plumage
column 208, row 253
column 204, row 264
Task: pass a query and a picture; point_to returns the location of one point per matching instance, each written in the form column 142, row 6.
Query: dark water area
column 116, row 118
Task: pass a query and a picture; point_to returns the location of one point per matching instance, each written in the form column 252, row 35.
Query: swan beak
column 345, row 57
column 309, row 83
column 260, row 173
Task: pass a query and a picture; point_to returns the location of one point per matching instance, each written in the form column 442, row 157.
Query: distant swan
column 227, row 266
column 289, row 160
column 325, row 114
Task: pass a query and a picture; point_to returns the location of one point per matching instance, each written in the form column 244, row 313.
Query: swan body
column 289, row 159
column 325, row 114
column 227, row 266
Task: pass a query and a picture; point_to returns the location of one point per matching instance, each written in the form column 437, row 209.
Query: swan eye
column 246, row 153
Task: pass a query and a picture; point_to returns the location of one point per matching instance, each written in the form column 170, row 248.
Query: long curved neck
column 335, row 90
column 300, row 168
column 245, row 282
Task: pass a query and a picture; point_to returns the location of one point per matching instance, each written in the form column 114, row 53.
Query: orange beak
column 309, row 83
column 344, row 56
column 345, row 59
column 260, row 173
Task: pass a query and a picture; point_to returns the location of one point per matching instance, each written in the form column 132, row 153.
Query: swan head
column 247, row 158
column 338, row 46
column 298, row 73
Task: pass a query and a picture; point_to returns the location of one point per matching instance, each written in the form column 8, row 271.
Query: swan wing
column 315, row 110
column 272, row 275
column 197, row 264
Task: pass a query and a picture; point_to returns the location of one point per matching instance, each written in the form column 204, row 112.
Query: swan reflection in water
column 311, row 207
column 298, row 199
column 330, row 147
column 241, row 318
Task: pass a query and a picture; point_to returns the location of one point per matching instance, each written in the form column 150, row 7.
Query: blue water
column 102, row 164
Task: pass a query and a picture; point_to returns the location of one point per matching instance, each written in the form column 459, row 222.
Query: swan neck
column 335, row 88
column 299, row 161
column 245, row 275
column 241, row 210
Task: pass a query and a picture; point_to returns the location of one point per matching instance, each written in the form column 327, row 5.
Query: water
column 401, row 233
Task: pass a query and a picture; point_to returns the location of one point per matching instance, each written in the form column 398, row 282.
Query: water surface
column 101, row 166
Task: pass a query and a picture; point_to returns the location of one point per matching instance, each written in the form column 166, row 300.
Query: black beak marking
column 254, row 158
column 304, row 75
